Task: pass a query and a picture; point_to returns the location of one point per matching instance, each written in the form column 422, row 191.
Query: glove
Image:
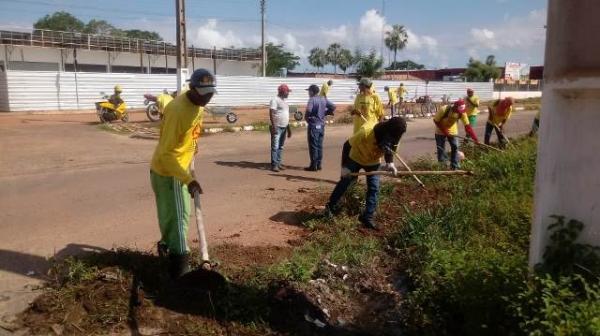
column 193, row 187
column 391, row 167
column 345, row 172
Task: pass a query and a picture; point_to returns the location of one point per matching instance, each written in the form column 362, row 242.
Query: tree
column 346, row 60
column 142, row 35
column 333, row 55
column 99, row 27
column 278, row 58
column 370, row 65
column 61, row 21
column 317, row 58
column 396, row 39
column 478, row 71
column 405, row 65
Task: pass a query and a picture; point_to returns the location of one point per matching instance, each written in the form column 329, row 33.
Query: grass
column 449, row 260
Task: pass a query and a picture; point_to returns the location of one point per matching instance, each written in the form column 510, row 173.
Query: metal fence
column 58, row 91
column 72, row 40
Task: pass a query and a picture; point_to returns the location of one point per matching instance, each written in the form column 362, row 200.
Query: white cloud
column 291, row 43
column 209, row 35
column 371, row 26
column 339, row 34
column 484, row 38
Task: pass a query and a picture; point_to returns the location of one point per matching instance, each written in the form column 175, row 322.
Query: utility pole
column 264, row 47
column 182, row 64
column 382, row 27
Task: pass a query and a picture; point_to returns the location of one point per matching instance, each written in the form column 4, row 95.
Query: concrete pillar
column 568, row 166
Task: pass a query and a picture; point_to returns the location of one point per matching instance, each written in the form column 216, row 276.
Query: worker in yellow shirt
column 367, row 105
column 163, row 100
column 364, row 151
column 401, row 93
column 325, row 88
column 446, row 120
column 472, row 106
column 499, row 113
column 392, row 99
column 171, row 180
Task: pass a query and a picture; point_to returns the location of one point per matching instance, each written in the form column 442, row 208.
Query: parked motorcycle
column 152, row 111
column 108, row 112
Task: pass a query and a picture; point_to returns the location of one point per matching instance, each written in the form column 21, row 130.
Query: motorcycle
column 108, row 112
column 152, row 111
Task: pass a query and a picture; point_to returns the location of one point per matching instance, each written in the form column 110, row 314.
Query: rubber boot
column 178, row 265
column 368, row 222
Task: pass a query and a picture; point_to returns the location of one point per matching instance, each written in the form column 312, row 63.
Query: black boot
column 368, row 222
column 178, row 265
column 163, row 249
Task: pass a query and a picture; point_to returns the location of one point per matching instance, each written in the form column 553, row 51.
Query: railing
column 59, row 39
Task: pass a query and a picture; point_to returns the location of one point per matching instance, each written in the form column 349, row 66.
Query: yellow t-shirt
column 402, row 92
column 449, row 120
column 498, row 118
column 364, row 146
column 162, row 101
column 393, row 95
column 472, row 105
column 179, row 131
column 370, row 107
column 324, row 90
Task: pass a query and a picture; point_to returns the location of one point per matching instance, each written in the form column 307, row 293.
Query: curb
column 249, row 128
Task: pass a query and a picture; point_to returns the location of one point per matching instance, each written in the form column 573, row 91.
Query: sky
column 441, row 33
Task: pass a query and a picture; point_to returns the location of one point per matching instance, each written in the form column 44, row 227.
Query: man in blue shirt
column 317, row 108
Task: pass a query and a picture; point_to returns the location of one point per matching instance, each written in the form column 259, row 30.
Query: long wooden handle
column 479, row 143
column 410, row 170
column 414, row 172
column 200, row 221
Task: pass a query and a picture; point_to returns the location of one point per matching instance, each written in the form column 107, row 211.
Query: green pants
column 173, row 206
column 473, row 120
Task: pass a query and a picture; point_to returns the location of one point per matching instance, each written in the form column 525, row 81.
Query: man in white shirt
column 279, row 113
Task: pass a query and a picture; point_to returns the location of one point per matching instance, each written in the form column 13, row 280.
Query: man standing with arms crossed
column 171, row 180
column 316, row 109
column 279, row 114
column 472, row 108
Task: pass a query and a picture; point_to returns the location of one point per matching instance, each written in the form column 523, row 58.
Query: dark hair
column 389, row 132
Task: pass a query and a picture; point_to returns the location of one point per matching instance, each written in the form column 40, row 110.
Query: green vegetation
column 396, row 39
column 64, row 21
column 405, row 65
column 450, row 260
column 278, row 58
column 478, row 71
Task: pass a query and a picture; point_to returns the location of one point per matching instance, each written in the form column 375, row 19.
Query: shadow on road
column 297, row 178
column 253, row 165
column 37, row 267
column 295, row 218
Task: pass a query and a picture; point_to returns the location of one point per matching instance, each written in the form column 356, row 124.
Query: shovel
column 205, row 277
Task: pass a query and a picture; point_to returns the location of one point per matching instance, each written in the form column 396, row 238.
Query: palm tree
column 396, row 39
column 346, row 60
column 317, row 58
column 370, row 65
column 333, row 55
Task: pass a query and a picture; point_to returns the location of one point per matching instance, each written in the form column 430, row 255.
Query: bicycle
column 428, row 107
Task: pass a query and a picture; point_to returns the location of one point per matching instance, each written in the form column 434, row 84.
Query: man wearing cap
column 317, row 108
column 364, row 150
column 499, row 113
column 171, row 180
column 367, row 105
column 472, row 107
column 392, row 98
column 279, row 114
column 325, row 88
column 446, row 120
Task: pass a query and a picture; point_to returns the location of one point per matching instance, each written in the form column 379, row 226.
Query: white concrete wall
column 52, row 55
column 568, row 166
column 517, row 94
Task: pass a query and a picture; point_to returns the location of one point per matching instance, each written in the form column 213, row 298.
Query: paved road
column 66, row 186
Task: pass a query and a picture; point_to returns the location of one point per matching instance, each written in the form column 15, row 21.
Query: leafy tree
column 478, row 71
column 278, row 57
column 99, row 27
column 346, row 60
column 317, row 58
column 370, row 65
column 333, row 55
column 61, row 21
column 405, row 65
column 396, row 39
column 142, row 35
